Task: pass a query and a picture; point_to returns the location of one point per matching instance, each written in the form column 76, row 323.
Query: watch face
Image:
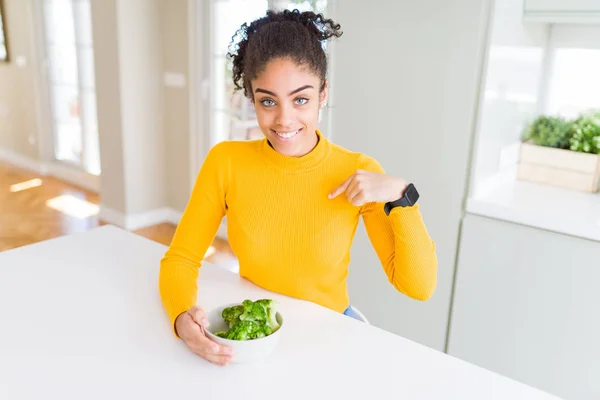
column 411, row 194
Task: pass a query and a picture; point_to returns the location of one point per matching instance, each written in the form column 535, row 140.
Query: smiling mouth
column 287, row 135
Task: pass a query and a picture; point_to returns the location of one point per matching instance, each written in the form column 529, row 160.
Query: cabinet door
column 562, row 5
column 527, row 306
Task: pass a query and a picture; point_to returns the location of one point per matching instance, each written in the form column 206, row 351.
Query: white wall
column 108, row 100
column 142, row 101
column 130, row 98
column 18, row 98
column 176, row 57
column 406, row 85
column 512, row 88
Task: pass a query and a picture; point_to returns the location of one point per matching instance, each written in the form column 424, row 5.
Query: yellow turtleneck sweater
column 288, row 236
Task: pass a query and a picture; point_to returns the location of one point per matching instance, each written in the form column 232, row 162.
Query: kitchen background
column 492, row 108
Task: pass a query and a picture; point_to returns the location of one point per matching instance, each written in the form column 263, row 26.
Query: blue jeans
column 350, row 312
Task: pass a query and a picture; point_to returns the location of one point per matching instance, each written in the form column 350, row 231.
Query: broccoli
column 265, row 330
column 250, row 320
column 253, row 311
column 271, row 307
column 231, row 315
column 248, row 330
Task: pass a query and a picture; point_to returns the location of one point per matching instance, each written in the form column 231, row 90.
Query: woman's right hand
column 190, row 327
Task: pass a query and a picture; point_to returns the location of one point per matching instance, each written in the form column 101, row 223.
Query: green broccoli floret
column 263, row 330
column 260, row 329
column 246, row 330
column 253, row 311
column 238, row 332
column 271, row 307
column 231, row 315
column 250, row 320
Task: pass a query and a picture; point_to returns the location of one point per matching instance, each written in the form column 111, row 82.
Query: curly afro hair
column 294, row 35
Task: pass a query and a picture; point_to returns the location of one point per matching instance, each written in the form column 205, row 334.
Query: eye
column 267, row 102
column 301, row 101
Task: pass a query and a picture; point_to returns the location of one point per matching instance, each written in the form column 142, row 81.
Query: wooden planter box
column 558, row 167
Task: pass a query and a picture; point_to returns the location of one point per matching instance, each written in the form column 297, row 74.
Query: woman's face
column 287, row 102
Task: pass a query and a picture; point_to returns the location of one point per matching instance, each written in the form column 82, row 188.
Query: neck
column 313, row 143
column 310, row 158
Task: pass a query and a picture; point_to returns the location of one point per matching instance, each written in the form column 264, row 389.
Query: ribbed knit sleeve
column 195, row 233
column 402, row 243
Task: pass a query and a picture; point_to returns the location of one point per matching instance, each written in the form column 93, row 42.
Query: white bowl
column 244, row 351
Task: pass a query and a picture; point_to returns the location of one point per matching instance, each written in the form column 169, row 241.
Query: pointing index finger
column 340, row 189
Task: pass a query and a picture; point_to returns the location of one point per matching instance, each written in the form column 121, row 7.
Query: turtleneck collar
column 299, row 164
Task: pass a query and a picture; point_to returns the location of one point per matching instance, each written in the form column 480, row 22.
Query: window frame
column 4, row 33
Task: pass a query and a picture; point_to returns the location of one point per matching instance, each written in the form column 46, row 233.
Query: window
column 575, row 82
column 70, row 58
column 232, row 114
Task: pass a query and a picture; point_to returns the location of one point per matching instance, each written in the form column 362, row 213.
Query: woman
column 293, row 199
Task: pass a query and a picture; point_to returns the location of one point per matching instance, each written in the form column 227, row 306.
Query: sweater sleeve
column 403, row 245
column 195, row 232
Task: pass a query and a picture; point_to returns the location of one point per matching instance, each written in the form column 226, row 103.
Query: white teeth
column 287, row 135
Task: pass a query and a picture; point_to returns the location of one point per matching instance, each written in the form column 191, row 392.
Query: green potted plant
column 584, row 135
column 549, row 131
column 561, row 152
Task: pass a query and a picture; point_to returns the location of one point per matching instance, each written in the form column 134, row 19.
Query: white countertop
column 82, row 319
column 551, row 208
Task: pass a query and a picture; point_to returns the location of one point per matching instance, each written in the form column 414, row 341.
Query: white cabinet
column 562, row 11
column 527, row 306
column 562, row 5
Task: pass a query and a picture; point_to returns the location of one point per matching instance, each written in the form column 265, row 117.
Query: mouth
column 286, row 135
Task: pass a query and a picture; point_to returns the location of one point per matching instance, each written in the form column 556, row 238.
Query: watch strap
column 404, row 201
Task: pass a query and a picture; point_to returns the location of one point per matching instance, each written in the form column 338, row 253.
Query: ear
column 324, row 94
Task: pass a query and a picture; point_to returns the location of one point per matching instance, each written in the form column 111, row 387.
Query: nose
column 285, row 116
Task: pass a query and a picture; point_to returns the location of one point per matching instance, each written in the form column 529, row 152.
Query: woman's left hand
column 365, row 187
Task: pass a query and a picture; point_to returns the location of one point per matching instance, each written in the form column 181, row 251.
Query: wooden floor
column 30, row 212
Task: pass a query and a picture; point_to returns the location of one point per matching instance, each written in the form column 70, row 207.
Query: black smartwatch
column 410, row 198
